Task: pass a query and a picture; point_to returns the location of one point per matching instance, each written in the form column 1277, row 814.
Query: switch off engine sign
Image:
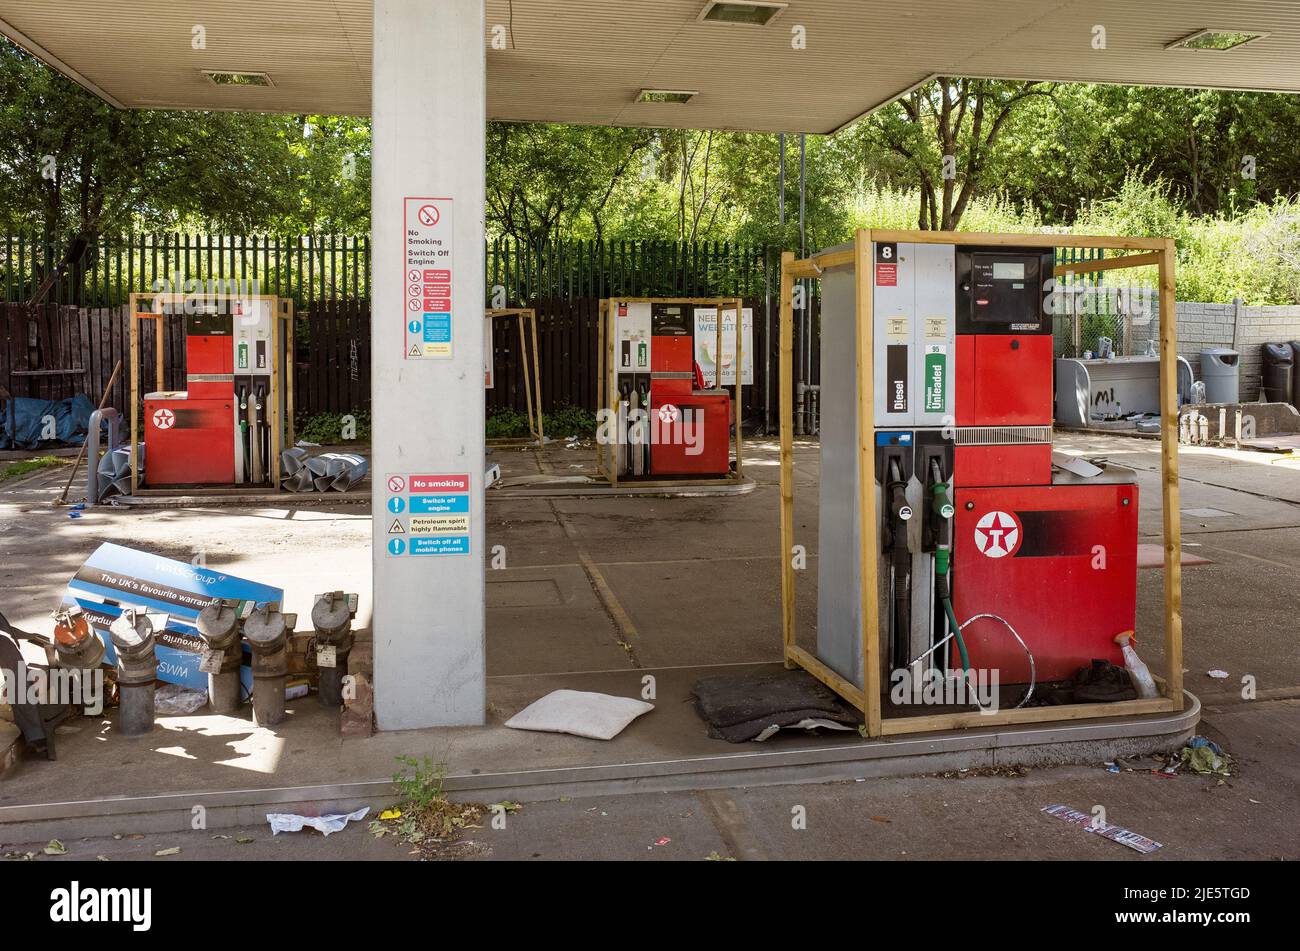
column 426, row 274
column 428, row 515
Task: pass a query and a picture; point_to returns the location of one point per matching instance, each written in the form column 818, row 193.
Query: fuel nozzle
column 937, row 530
column 940, row 501
column 898, row 507
column 900, row 563
column 243, row 396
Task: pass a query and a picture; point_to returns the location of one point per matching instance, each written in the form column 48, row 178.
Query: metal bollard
column 331, row 616
column 75, row 644
column 218, row 624
column 137, row 669
column 266, row 631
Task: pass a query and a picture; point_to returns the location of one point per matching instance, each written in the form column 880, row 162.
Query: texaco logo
column 668, row 413
column 997, row 534
column 164, row 419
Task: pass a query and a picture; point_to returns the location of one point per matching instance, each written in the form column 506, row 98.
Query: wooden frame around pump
column 284, row 313
column 533, row 377
column 1158, row 252
column 606, row 459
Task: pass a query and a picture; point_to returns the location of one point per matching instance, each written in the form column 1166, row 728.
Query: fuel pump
column 668, row 422
column 229, row 423
column 981, row 545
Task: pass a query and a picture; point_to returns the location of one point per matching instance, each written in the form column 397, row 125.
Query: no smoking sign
column 427, row 271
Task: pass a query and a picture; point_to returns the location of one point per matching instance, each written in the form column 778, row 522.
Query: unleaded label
column 936, row 367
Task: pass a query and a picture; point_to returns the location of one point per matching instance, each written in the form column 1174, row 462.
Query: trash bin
column 1295, row 373
column 1221, row 369
column 1275, row 386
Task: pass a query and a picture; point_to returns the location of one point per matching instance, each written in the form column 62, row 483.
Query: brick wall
column 1237, row 326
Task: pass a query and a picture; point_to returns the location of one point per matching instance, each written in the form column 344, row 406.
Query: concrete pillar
column 429, row 113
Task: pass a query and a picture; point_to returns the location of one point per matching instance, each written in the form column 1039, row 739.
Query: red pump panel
column 693, row 436
column 189, row 442
column 1012, row 381
column 208, row 354
column 674, row 354
column 1058, row 562
column 1026, row 464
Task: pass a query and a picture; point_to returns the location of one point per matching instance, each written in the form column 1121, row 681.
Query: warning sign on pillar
column 432, row 515
column 426, row 275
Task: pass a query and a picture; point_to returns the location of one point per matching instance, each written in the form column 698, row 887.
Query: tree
column 73, row 167
column 945, row 135
column 546, row 179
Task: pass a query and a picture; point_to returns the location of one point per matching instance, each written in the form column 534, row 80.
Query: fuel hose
column 941, row 560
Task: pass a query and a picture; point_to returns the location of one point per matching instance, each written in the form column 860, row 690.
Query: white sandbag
column 597, row 716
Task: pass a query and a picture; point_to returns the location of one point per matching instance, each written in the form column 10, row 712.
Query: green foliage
column 327, row 428
column 1254, row 256
column 506, row 423
column 420, row 783
column 27, row 466
column 563, row 421
column 569, row 421
column 71, row 164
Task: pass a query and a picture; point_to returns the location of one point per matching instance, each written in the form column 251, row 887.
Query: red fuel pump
column 976, row 528
column 669, row 423
column 226, row 428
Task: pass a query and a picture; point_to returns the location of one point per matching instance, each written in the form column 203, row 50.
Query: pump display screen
column 1004, row 289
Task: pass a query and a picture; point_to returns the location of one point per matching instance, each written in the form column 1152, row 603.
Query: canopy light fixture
column 751, row 12
column 219, row 77
column 1217, row 41
column 666, row 95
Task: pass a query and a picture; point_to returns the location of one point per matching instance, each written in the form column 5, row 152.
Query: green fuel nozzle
column 940, row 501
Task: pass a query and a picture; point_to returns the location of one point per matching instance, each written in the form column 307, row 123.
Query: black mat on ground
column 739, row 707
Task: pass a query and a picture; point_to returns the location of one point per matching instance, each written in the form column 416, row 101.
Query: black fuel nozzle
column 243, row 396
column 899, row 510
column 260, row 396
column 900, row 563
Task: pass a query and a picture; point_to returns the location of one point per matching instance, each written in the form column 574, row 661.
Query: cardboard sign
column 172, row 593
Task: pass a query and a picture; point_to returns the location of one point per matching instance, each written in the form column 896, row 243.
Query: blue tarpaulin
column 24, row 422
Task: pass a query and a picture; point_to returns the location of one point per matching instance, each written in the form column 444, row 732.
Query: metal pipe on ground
column 331, row 616
column 137, row 669
column 267, row 633
column 218, row 624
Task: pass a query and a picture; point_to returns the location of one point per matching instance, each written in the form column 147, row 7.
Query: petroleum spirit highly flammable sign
column 428, row 514
column 427, row 271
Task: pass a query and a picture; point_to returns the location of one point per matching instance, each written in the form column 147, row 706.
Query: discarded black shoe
column 1103, row 682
